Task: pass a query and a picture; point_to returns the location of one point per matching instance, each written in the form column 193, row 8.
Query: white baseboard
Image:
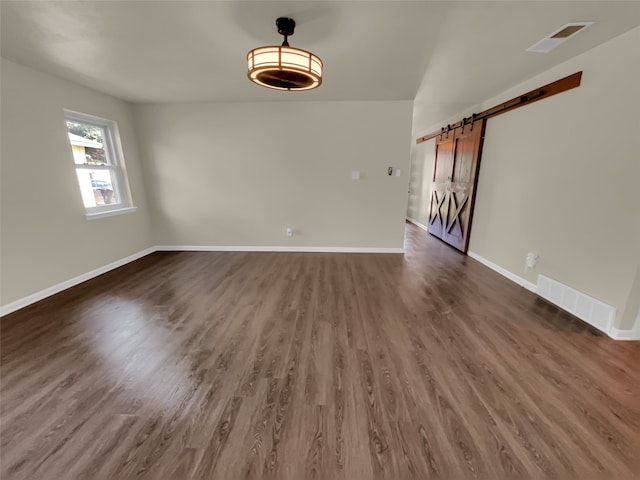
column 585, row 307
column 593, row 311
column 47, row 292
column 232, row 248
column 633, row 334
column 505, row 273
column 618, row 334
column 417, row 224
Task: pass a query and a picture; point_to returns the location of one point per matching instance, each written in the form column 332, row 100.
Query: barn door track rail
column 546, row 91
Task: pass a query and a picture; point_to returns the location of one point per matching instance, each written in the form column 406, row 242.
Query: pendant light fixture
column 284, row 67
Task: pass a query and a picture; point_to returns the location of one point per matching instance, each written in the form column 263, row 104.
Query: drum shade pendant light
column 284, row 67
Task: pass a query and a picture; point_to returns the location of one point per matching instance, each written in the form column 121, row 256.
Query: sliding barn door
column 440, row 183
column 454, row 183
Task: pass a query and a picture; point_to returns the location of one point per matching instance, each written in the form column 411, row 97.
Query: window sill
column 110, row 213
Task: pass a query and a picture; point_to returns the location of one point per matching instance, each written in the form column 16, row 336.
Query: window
column 99, row 167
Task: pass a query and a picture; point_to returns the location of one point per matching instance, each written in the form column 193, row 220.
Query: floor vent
column 587, row 308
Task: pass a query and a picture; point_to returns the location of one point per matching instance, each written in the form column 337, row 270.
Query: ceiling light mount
column 286, row 26
column 284, row 67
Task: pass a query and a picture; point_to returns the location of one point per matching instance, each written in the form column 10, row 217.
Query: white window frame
column 115, row 165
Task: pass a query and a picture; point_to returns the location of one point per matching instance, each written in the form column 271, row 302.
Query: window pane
column 87, row 143
column 96, row 148
column 96, row 187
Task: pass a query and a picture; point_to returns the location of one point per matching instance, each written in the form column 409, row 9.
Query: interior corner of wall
column 629, row 317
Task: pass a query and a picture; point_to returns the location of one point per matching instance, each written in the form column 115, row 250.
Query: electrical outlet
column 289, row 232
column 531, row 261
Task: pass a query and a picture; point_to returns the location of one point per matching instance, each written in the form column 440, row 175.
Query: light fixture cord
column 285, row 43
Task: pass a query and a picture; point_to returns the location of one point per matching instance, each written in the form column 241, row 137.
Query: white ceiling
column 446, row 55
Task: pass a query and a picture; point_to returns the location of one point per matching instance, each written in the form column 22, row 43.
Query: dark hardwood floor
column 200, row 365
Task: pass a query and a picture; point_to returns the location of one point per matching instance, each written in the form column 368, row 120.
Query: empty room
column 319, row 239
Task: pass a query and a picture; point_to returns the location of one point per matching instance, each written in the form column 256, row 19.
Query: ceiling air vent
column 561, row 35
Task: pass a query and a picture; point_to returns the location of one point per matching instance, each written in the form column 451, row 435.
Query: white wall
column 239, row 174
column 560, row 178
column 45, row 237
column 422, row 160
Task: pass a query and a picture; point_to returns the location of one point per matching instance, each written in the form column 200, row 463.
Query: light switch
column 397, row 172
column 355, row 175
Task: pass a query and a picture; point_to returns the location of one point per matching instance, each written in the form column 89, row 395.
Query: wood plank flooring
column 206, row 365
